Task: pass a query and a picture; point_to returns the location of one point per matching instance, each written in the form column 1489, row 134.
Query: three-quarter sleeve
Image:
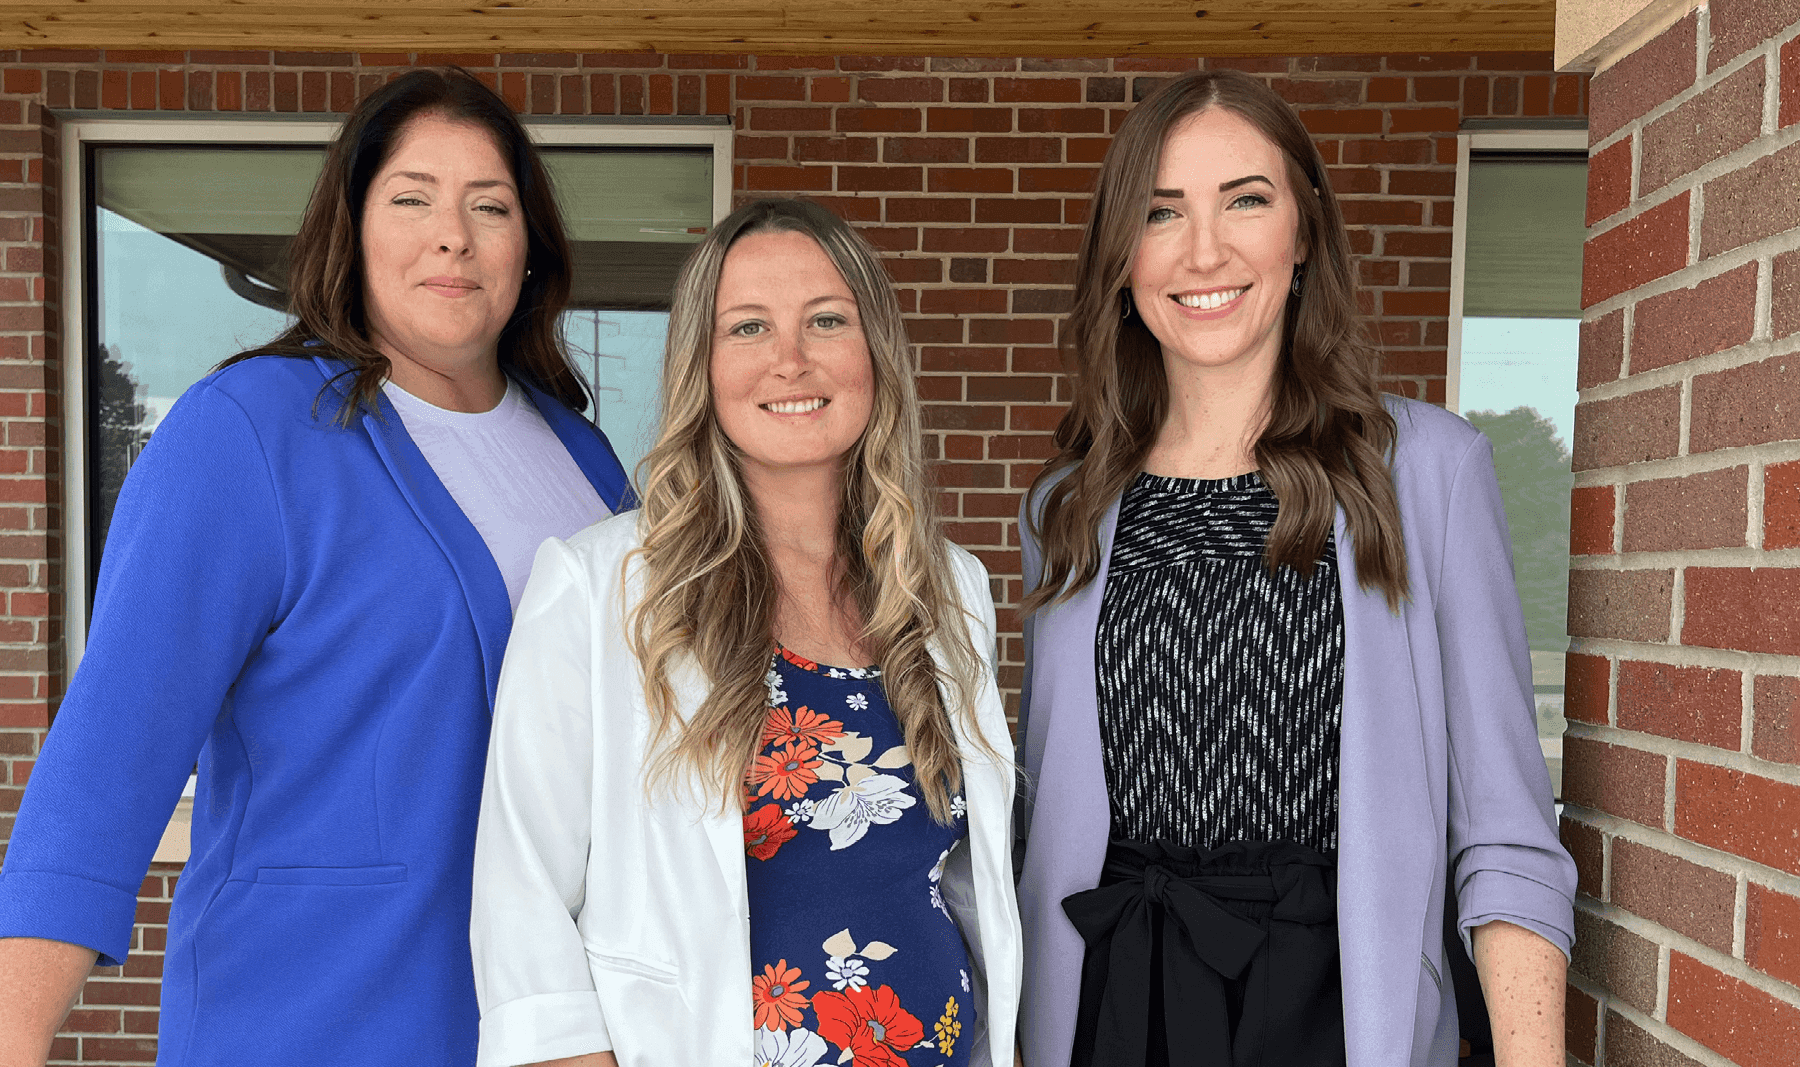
column 1506, row 860
column 531, row 846
column 191, row 582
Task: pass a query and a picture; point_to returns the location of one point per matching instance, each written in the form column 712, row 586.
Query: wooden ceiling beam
column 906, row 27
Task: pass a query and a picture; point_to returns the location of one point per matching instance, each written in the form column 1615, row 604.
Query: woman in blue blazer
column 306, row 587
column 1277, row 693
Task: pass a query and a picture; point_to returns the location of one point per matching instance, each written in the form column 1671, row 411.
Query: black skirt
column 1226, row 958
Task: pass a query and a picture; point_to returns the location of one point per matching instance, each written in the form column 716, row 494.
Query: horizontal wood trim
column 909, row 27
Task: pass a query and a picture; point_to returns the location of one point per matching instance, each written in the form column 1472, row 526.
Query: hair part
column 1328, row 437
column 710, row 589
column 326, row 268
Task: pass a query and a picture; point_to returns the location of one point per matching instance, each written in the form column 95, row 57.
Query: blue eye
column 829, row 321
column 748, row 329
column 1251, row 200
column 1161, row 214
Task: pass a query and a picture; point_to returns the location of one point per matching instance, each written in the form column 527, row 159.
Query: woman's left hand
column 1524, row 978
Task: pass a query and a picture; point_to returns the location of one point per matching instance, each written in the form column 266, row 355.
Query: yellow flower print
column 949, row 1028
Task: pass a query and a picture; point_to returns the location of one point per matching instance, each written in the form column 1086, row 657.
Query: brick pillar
column 1683, row 752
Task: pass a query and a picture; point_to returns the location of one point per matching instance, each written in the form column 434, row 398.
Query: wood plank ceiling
column 889, row 27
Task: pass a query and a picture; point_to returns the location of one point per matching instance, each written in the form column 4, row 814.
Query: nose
column 789, row 351
column 1206, row 245
column 453, row 230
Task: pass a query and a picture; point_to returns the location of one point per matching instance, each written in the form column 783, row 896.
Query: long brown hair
column 325, row 273
column 1328, row 436
column 709, row 588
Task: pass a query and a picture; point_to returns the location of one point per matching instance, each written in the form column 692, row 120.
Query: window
column 181, row 230
column 1514, row 331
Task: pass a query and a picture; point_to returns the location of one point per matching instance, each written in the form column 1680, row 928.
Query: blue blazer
column 306, row 609
column 1440, row 775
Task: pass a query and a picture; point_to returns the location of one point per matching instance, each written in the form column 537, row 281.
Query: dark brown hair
column 1328, row 436
column 325, row 273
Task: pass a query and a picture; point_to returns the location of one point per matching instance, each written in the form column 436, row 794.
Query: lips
column 449, row 286
column 1211, row 300
column 795, row 407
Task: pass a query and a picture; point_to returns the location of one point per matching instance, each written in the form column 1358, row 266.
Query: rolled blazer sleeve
column 191, row 583
column 531, row 846
column 1506, row 861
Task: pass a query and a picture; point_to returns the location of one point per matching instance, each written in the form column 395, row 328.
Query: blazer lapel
column 1384, row 885
column 592, row 452
column 483, row 587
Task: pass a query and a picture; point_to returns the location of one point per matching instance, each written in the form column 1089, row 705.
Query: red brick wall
column 971, row 174
column 1682, row 762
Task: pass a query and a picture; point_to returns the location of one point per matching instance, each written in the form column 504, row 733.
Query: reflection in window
column 1521, row 319
column 188, row 267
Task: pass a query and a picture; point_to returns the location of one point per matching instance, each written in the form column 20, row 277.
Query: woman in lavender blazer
column 1220, row 372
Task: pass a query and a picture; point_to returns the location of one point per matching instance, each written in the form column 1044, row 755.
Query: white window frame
column 79, row 131
column 1467, row 143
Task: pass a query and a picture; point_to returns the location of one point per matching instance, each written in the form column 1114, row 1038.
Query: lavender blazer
column 1441, row 777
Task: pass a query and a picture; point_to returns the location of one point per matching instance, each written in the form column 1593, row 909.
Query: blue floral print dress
column 856, row 960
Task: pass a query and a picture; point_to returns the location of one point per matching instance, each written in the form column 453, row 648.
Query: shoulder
column 608, row 541
column 267, row 383
column 1430, row 443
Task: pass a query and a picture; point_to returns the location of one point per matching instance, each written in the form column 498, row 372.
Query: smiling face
column 1213, row 270
column 792, row 382
column 444, row 247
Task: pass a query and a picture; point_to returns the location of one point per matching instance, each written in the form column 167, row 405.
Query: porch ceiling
column 807, row 27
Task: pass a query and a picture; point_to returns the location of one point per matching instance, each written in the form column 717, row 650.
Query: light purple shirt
column 1439, row 744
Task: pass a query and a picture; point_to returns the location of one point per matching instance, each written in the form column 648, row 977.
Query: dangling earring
column 1124, row 304
column 1299, row 275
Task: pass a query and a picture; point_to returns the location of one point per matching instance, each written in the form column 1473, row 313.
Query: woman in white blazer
column 700, row 844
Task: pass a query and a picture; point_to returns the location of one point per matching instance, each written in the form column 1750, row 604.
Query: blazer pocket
column 1431, row 969
column 380, row 874
column 653, row 970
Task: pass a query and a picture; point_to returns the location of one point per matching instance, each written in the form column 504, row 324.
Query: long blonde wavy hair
column 709, row 589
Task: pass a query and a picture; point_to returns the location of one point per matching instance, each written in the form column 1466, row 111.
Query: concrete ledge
column 1592, row 35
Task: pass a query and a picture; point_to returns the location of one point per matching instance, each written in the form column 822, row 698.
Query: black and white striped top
column 1220, row 684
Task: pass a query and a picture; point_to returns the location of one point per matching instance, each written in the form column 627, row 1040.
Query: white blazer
column 607, row 918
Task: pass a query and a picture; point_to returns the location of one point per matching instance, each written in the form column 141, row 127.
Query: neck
column 471, row 383
column 798, row 510
column 1215, row 416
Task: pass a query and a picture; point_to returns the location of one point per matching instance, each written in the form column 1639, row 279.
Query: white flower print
column 875, row 800
column 833, row 672
column 959, row 807
column 857, row 702
column 798, row 1047
column 800, row 812
column 846, row 971
column 937, row 874
column 965, row 977
column 777, row 695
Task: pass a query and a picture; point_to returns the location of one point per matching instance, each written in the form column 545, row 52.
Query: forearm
column 1523, row 978
column 39, row 981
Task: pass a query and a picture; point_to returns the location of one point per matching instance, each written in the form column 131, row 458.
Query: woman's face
column 1215, row 265
column 792, row 383
column 444, row 246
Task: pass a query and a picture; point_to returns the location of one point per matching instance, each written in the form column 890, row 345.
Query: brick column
column 1683, row 751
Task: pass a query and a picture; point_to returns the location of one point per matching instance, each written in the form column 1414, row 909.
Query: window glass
column 1520, row 326
column 187, row 266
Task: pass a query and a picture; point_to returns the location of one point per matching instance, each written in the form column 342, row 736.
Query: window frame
column 82, row 131
column 1523, row 141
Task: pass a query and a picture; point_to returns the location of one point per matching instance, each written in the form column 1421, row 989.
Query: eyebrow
column 815, row 301
column 431, row 179
column 1224, row 187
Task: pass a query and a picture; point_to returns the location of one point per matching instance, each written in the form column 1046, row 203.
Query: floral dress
column 855, row 958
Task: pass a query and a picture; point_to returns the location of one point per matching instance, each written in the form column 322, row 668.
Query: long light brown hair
column 1328, row 435
column 325, row 272
column 709, row 588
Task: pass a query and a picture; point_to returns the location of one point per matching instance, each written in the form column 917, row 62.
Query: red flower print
column 799, row 661
column 786, row 772
column 776, row 993
column 765, row 830
column 800, row 724
column 870, row 1023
